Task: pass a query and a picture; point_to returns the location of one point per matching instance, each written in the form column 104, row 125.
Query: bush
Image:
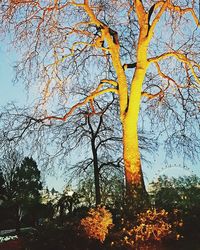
column 151, row 227
column 97, row 223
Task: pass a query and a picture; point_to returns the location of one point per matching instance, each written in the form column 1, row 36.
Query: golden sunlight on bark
column 131, row 154
column 132, row 161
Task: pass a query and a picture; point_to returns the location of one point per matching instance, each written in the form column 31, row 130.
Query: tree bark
column 18, row 218
column 96, row 173
column 131, row 155
column 135, row 187
column 136, row 196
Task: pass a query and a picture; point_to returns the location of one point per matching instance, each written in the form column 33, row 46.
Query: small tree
column 67, row 202
column 97, row 223
column 22, row 185
column 28, row 184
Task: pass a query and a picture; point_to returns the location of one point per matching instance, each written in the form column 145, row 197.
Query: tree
column 27, row 185
column 94, row 136
column 182, row 195
column 67, row 202
column 69, row 44
column 22, row 185
column 177, row 193
column 111, row 185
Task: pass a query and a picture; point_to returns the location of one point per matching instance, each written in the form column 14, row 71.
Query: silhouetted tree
column 22, row 184
column 177, row 193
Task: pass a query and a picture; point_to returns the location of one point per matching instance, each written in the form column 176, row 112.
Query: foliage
column 97, row 223
column 21, row 181
column 154, row 225
column 66, row 203
column 21, row 189
column 27, row 181
column 150, row 227
column 182, row 193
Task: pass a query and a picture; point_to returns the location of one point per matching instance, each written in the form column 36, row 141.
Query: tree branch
column 184, row 11
column 182, row 58
column 94, row 94
column 152, row 96
column 158, row 16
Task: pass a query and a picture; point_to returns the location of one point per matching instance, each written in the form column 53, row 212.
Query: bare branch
column 178, row 9
column 182, row 58
column 93, row 95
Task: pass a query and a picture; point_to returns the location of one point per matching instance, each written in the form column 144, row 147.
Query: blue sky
column 16, row 93
column 11, row 92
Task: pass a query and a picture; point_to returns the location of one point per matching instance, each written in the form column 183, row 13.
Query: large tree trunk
column 135, row 187
column 136, row 198
column 131, row 154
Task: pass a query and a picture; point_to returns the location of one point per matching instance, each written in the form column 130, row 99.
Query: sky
column 9, row 92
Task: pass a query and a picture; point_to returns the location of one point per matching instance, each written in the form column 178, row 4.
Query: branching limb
column 171, row 80
column 152, row 96
column 180, row 57
column 140, row 11
column 112, row 82
column 96, row 44
column 89, row 98
column 115, row 164
column 163, row 5
column 184, row 11
column 158, row 16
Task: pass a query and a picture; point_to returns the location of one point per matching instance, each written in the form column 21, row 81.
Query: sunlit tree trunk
column 131, row 153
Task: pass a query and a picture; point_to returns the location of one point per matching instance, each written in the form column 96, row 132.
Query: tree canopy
column 20, row 186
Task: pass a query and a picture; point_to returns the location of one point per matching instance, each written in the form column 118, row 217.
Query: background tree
column 69, row 44
column 177, row 193
column 111, row 185
column 22, row 184
column 94, row 136
column 68, row 201
column 180, row 194
column 28, row 184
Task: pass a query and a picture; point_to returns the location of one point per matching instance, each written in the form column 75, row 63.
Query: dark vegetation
column 49, row 220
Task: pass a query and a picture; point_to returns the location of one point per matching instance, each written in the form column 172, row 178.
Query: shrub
column 151, row 226
column 97, row 223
